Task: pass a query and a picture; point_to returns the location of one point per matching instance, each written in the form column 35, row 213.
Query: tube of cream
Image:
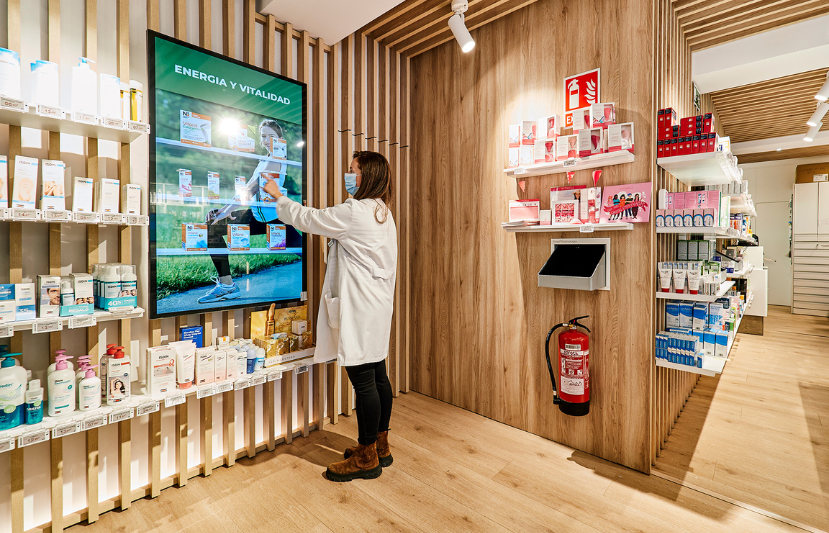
column 694, row 273
column 185, row 362
column 679, row 278
column 665, row 277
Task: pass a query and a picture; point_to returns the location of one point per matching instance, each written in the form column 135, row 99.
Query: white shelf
column 99, row 315
column 696, row 170
column 742, row 203
column 580, row 228
column 70, row 217
column 696, row 297
column 30, row 119
column 579, row 163
column 712, row 366
column 718, row 232
column 744, row 273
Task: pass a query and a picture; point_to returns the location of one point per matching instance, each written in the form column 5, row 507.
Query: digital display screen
column 220, row 130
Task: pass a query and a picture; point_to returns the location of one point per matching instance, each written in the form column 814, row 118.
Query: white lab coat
column 357, row 301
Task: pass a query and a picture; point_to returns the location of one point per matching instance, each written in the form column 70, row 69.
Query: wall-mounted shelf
column 695, row 170
column 718, row 232
column 71, row 217
column 742, row 203
column 696, row 297
column 712, row 366
column 744, row 273
column 579, row 163
column 30, row 119
column 577, row 228
column 72, row 321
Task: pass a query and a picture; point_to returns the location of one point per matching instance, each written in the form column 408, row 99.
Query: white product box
column 567, row 147
column 205, row 367
column 241, row 142
column 602, row 115
column 231, row 362
column 298, row 327
column 131, row 199
column 107, row 194
column 528, row 133
column 539, row 151
column 620, row 137
column 25, row 182
column 514, row 140
column 513, row 157
column 219, row 365
column 590, row 142
column 213, row 185
column 238, row 237
column 48, row 290
column 526, row 155
column 524, row 210
column 195, row 129
column 194, row 237
column 581, row 119
column 4, row 179
column 24, row 300
column 276, row 237
column 162, row 372
column 240, row 190
column 82, row 193
column 279, row 148
column 53, row 195
column 8, row 311
column 84, row 288
column 550, row 150
column 548, row 128
column 185, row 183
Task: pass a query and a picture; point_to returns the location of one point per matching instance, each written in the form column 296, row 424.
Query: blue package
column 686, row 314
column 193, row 333
column 700, row 316
column 6, row 292
column 672, row 314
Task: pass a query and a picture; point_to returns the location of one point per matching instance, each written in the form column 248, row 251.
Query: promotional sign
column 626, row 203
column 580, row 91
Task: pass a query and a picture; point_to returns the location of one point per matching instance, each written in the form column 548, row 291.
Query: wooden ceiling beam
column 426, row 9
column 811, row 75
column 750, row 18
column 793, row 153
column 404, row 9
column 732, row 10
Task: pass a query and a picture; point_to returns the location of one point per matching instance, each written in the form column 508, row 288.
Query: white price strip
column 205, row 392
column 47, row 326
column 109, row 122
column 569, row 163
column 147, row 408
column 82, row 322
column 587, row 228
column 6, row 331
column 243, row 383
column 301, row 369
column 303, row 296
column 112, row 218
column 138, row 127
column 23, row 214
column 520, row 170
column 227, row 386
column 133, row 220
column 66, row 429
column 121, row 414
column 13, row 105
column 85, row 218
column 258, row 380
column 5, row 213
column 85, row 118
column 94, row 422
column 32, row 437
column 6, row 444
column 143, row 220
column 49, row 111
column 273, row 376
column 58, row 216
column 177, row 399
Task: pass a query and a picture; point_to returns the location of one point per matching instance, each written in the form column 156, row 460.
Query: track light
column 458, row 27
column 817, row 116
column 810, row 135
column 823, row 94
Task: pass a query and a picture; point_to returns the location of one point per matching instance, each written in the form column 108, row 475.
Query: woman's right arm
column 331, row 222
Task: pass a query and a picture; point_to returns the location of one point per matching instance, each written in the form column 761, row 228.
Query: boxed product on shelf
column 602, row 115
column 660, row 218
column 195, row 334
column 194, row 129
column 107, row 195
column 83, row 300
column 82, row 192
column 161, row 374
column 528, row 133
column 526, row 155
column 48, row 290
column 626, row 203
column 514, row 133
column 52, row 194
column 549, row 151
column 524, row 210
column 567, row 147
column 4, row 178
column 8, row 308
column 276, row 236
column 564, row 202
column 513, row 157
column 581, row 119
column 25, row 182
column 238, row 237
column 24, row 299
column 700, row 316
column 548, row 128
column 590, row 142
column 131, row 199
column 539, row 152
column 185, row 183
column 620, row 137
column 194, row 237
column 45, row 83
column 213, row 185
column 590, row 205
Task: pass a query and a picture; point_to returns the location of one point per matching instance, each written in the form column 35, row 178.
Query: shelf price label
column 147, row 408
column 66, row 429
column 6, row 331
column 274, row 376
column 12, row 104
column 47, row 326
column 301, row 369
column 303, row 296
column 258, row 380
column 520, row 170
column 110, row 122
column 205, row 392
column 85, row 218
column 87, row 321
column 24, row 215
column 569, row 162
column 587, row 228
column 138, row 127
column 5, row 213
column 243, row 383
column 94, row 422
column 6, row 444
column 227, row 386
column 132, row 220
column 32, row 437
column 50, row 111
column 57, row 216
column 121, row 415
column 174, row 400
column 112, row 218
column 85, row 118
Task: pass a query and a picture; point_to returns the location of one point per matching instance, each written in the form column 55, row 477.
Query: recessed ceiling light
column 779, row 149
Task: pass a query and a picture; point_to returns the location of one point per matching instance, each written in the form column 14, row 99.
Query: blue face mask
column 351, row 184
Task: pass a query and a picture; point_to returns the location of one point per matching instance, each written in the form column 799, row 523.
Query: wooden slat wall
column 478, row 319
column 336, row 75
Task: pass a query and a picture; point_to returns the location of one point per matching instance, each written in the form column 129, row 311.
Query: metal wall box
column 578, row 264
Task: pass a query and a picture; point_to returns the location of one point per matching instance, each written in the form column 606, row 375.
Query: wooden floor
column 453, row 471
column 759, row 433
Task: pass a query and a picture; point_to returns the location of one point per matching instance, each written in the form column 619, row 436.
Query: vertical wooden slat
column 393, row 122
column 288, row 406
column 153, row 15
column 180, row 19
column 370, row 84
column 56, row 449
column 269, row 56
column 320, row 201
column 350, row 111
column 287, row 55
column 155, row 449
column 206, row 404
column 181, row 443
column 403, row 184
column 303, row 401
column 249, row 31
column 359, row 92
column 269, row 427
column 229, row 402
column 205, row 29
column 229, row 28
column 332, row 185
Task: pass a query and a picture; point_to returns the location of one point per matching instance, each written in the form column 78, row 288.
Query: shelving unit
column 712, row 366
column 568, row 165
column 30, row 119
column 71, row 217
column 98, row 315
column 742, row 203
column 578, row 228
column 718, row 232
column 696, row 170
column 696, row 297
column 744, row 273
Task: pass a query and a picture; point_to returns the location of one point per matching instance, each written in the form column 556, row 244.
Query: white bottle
column 118, row 377
column 129, row 281
column 83, row 365
column 89, row 391
column 67, row 291
column 53, row 366
column 110, row 282
column 61, row 388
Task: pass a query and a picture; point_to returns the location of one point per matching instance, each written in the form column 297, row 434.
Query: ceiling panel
column 795, row 153
column 708, row 23
column 772, row 108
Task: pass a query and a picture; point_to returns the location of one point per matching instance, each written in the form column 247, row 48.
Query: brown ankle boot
column 363, row 463
column 383, row 450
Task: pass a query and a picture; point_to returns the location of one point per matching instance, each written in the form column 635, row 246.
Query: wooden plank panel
column 229, row 28
column 371, row 94
column 181, row 443
column 205, row 27
column 287, row 402
column 56, row 452
column 229, row 400
column 287, row 56
column 794, row 153
column 304, row 401
column 249, row 31
column 180, row 19
column 319, row 200
column 405, row 124
column 270, row 44
column 402, row 11
column 155, row 452
column 357, row 67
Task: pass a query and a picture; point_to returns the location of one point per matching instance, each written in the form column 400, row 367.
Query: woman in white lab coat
column 357, row 301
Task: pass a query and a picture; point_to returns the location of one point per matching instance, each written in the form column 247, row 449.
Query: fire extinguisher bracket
column 578, row 264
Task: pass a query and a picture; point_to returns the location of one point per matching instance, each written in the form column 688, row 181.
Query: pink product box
column 602, row 115
column 514, row 135
column 709, row 215
column 713, row 201
column 567, row 147
column 513, row 157
column 698, row 218
column 528, row 133
column 660, row 218
column 581, row 119
column 701, row 200
column 620, row 137
column 690, row 200
column 526, row 210
column 669, row 218
column 669, row 200
column 678, row 200
column 548, row 128
column 590, row 142
column 565, row 211
column 539, row 152
column 678, row 218
column 688, row 218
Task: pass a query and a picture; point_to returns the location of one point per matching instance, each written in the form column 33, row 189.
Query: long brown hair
column 376, row 181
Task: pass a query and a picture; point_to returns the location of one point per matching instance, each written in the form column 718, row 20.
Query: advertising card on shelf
column 626, row 203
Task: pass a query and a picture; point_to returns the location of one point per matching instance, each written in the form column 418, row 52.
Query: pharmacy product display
column 693, row 209
column 115, row 286
column 12, row 392
column 221, row 130
column 700, row 270
column 689, row 135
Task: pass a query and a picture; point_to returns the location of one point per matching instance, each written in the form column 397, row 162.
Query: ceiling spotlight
column 458, row 26
column 817, row 116
column 810, row 135
column 823, row 94
column 779, row 149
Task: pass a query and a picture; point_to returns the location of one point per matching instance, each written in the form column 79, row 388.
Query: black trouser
column 374, row 399
column 217, row 232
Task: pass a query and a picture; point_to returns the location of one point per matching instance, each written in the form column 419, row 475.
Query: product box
column 721, row 349
column 276, row 237
column 581, row 119
column 213, row 185
column 716, row 316
column 526, row 155
column 161, row 375
column 567, row 147
column 700, row 316
column 545, row 217
column 691, row 199
column 240, row 142
column 238, row 237
column 84, row 299
column 82, row 193
column 548, row 128
column 669, row 218
column 620, row 137
column 514, row 135
column 192, row 333
column 107, row 194
column 185, row 183
column 688, row 218
column 7, row 304
column 682, row 250
column 564, row 203
column 590, row 142
column 698, row 218
column 298, row 327
column 195, row 129
column 48, row 290
column 53, row 196
column 205, row 368
column 549, row 151
column 131, row 199
column 219, row 365
column 672, row 314
column 710, row 342
column 25, row 182
column 24, row 300
column 626, row 203
column 524, row 210
column 230, row 356
column 590, row 205
column 240, row 189
column 660, row 149
column 723, row 144
column 513, row 157
column 528, row 133
column 539, row 151
column 693, row 251
column 279, row 148
column 194, row 237
column 602, row 115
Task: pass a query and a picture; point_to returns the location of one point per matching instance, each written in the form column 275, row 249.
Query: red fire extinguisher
column 573, row 363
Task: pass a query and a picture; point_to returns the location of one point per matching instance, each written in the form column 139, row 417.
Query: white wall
column 770, row 185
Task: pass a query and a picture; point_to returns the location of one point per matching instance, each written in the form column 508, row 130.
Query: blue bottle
column 12, row 391
column 34, row 402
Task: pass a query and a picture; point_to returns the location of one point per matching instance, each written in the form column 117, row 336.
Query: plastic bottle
column 251, row 361
column 53, row 366
column 95, row 291
column 104, row 365
column 260, row 359
column 136, row 101
column 61, row 388
column 89, row 391
column 34, row 402
column 83, row 365
column 129, row 281
column 110, row 284
column 118, row 377
column 12, row 390
column 67, row 291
